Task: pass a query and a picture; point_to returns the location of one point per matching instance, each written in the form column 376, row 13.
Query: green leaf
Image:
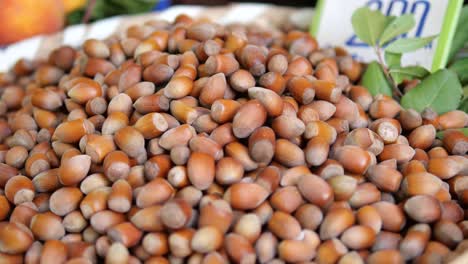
column 408, row 73
column 392, row 59
column 75, row 17
column 440, row 134
column 461, row 34
column 375, row 81
column 368, row 25
column 408, row 44
column 460, row 67
column 440, row 91
column 107, row 8
column 396, row 27
column 464, row 105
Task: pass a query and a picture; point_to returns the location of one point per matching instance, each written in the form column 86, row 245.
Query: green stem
column 396, row 91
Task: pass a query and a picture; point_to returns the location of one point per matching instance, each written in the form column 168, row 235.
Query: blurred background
column 220, row 2
column 21, row 19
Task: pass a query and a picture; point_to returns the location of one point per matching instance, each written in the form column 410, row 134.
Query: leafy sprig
column 440, row 91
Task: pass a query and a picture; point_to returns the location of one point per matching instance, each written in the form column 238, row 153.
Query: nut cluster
column 190, row 142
